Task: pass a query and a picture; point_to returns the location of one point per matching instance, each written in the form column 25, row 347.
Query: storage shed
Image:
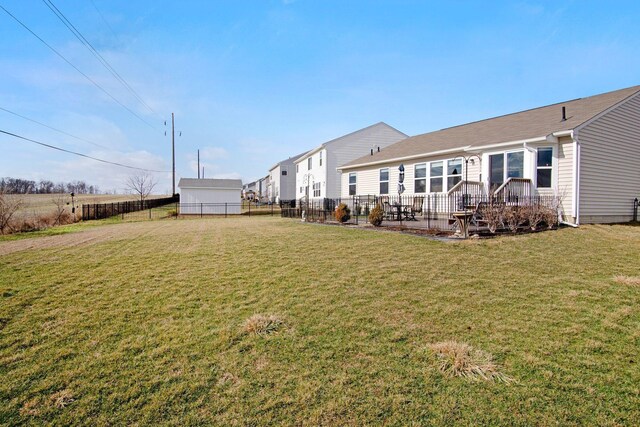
column 210, row 196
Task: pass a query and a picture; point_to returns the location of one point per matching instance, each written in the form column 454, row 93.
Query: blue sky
column 254, row 82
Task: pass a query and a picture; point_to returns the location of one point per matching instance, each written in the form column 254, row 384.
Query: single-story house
column 210, row 196
column 586, row 152
column 317, row 176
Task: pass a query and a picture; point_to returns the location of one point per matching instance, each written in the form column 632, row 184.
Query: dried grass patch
column 627, row 280
column 62, row 399
column 31, row 407
column 263, row 324
column 462, row 360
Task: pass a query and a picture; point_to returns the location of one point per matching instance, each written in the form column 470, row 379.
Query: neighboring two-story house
column 282, row 177
column 317, row 174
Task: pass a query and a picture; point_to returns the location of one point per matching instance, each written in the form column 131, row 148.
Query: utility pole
column 199, row 164
column 173, row 155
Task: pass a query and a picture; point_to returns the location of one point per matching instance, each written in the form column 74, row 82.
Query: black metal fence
column 429, row 211
column 635, row 210
column 106, row 210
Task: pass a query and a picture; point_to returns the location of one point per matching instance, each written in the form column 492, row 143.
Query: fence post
column 176, row 210
column 249, row 207
column 149, row 213
column 225, row 209
column 200, row 210
column 635, row 209
column 271, row 208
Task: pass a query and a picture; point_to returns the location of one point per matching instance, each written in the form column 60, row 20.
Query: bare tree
column 61, row 214
column 9, row 205
column 142, row 185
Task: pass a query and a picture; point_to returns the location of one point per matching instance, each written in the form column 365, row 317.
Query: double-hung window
column 316, row 189
column 454, row 172
column 384, row 181
column 284, row 173
column 435, row 177
column 420, row 183
column 544, row 165
column 321, row 158
column 352, row 184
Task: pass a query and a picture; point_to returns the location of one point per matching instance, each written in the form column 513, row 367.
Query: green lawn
column 144, row 324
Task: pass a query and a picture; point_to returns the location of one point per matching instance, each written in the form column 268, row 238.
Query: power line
column 76, row 68
column 57, row 130
column 103, row 19
column 53, row 147
column 61, row 16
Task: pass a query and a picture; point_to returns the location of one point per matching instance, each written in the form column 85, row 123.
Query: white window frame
column 446, row 187
column 381, row 181
column 416, row 178
column 309, row 162
column 442, row 177
column 355, row 183
column 551, row 167
column 320, row 158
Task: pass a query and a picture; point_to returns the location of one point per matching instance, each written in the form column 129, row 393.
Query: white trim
column 574, row 173
column 473, row 148
column 398, row 159
column 467, row 148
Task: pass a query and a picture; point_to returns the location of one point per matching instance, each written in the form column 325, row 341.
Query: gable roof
column 235, row 184
column 292, row 158
column 321, row 146
column 537, row 122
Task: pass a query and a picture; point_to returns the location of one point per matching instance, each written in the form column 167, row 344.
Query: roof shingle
column 518, row 126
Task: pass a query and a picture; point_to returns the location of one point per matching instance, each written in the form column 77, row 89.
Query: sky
column 254, row 82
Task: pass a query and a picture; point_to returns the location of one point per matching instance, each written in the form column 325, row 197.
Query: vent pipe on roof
column 564, row 114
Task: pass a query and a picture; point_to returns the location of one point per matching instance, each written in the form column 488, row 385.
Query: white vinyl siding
column 609, row 164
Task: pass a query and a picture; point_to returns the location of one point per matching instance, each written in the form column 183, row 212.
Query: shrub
column 534, row 214
column 172, row 213
column 461, row 360
column 342, row 213
column 493, row 215
column 9, row 205
column 376, row 215
column 550, row 217
column 514, row 217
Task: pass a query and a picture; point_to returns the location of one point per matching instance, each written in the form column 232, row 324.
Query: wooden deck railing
column 514, row 189
column 465, row 194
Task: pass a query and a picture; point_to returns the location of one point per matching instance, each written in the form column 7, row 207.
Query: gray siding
column 351, row 147
column 609, row 171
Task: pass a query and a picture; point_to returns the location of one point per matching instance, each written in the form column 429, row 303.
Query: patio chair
column 416, row 208
column 386, row 207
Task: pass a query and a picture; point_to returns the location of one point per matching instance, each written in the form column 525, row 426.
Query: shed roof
column 210, row 183
column 518, row 126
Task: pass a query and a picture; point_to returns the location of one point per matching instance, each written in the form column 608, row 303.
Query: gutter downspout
column 575, row 200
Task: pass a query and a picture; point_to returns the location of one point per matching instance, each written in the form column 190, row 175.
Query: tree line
column 25, row 186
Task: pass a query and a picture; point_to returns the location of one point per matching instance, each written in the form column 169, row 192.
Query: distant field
column 144, row 324
column 37, row 204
